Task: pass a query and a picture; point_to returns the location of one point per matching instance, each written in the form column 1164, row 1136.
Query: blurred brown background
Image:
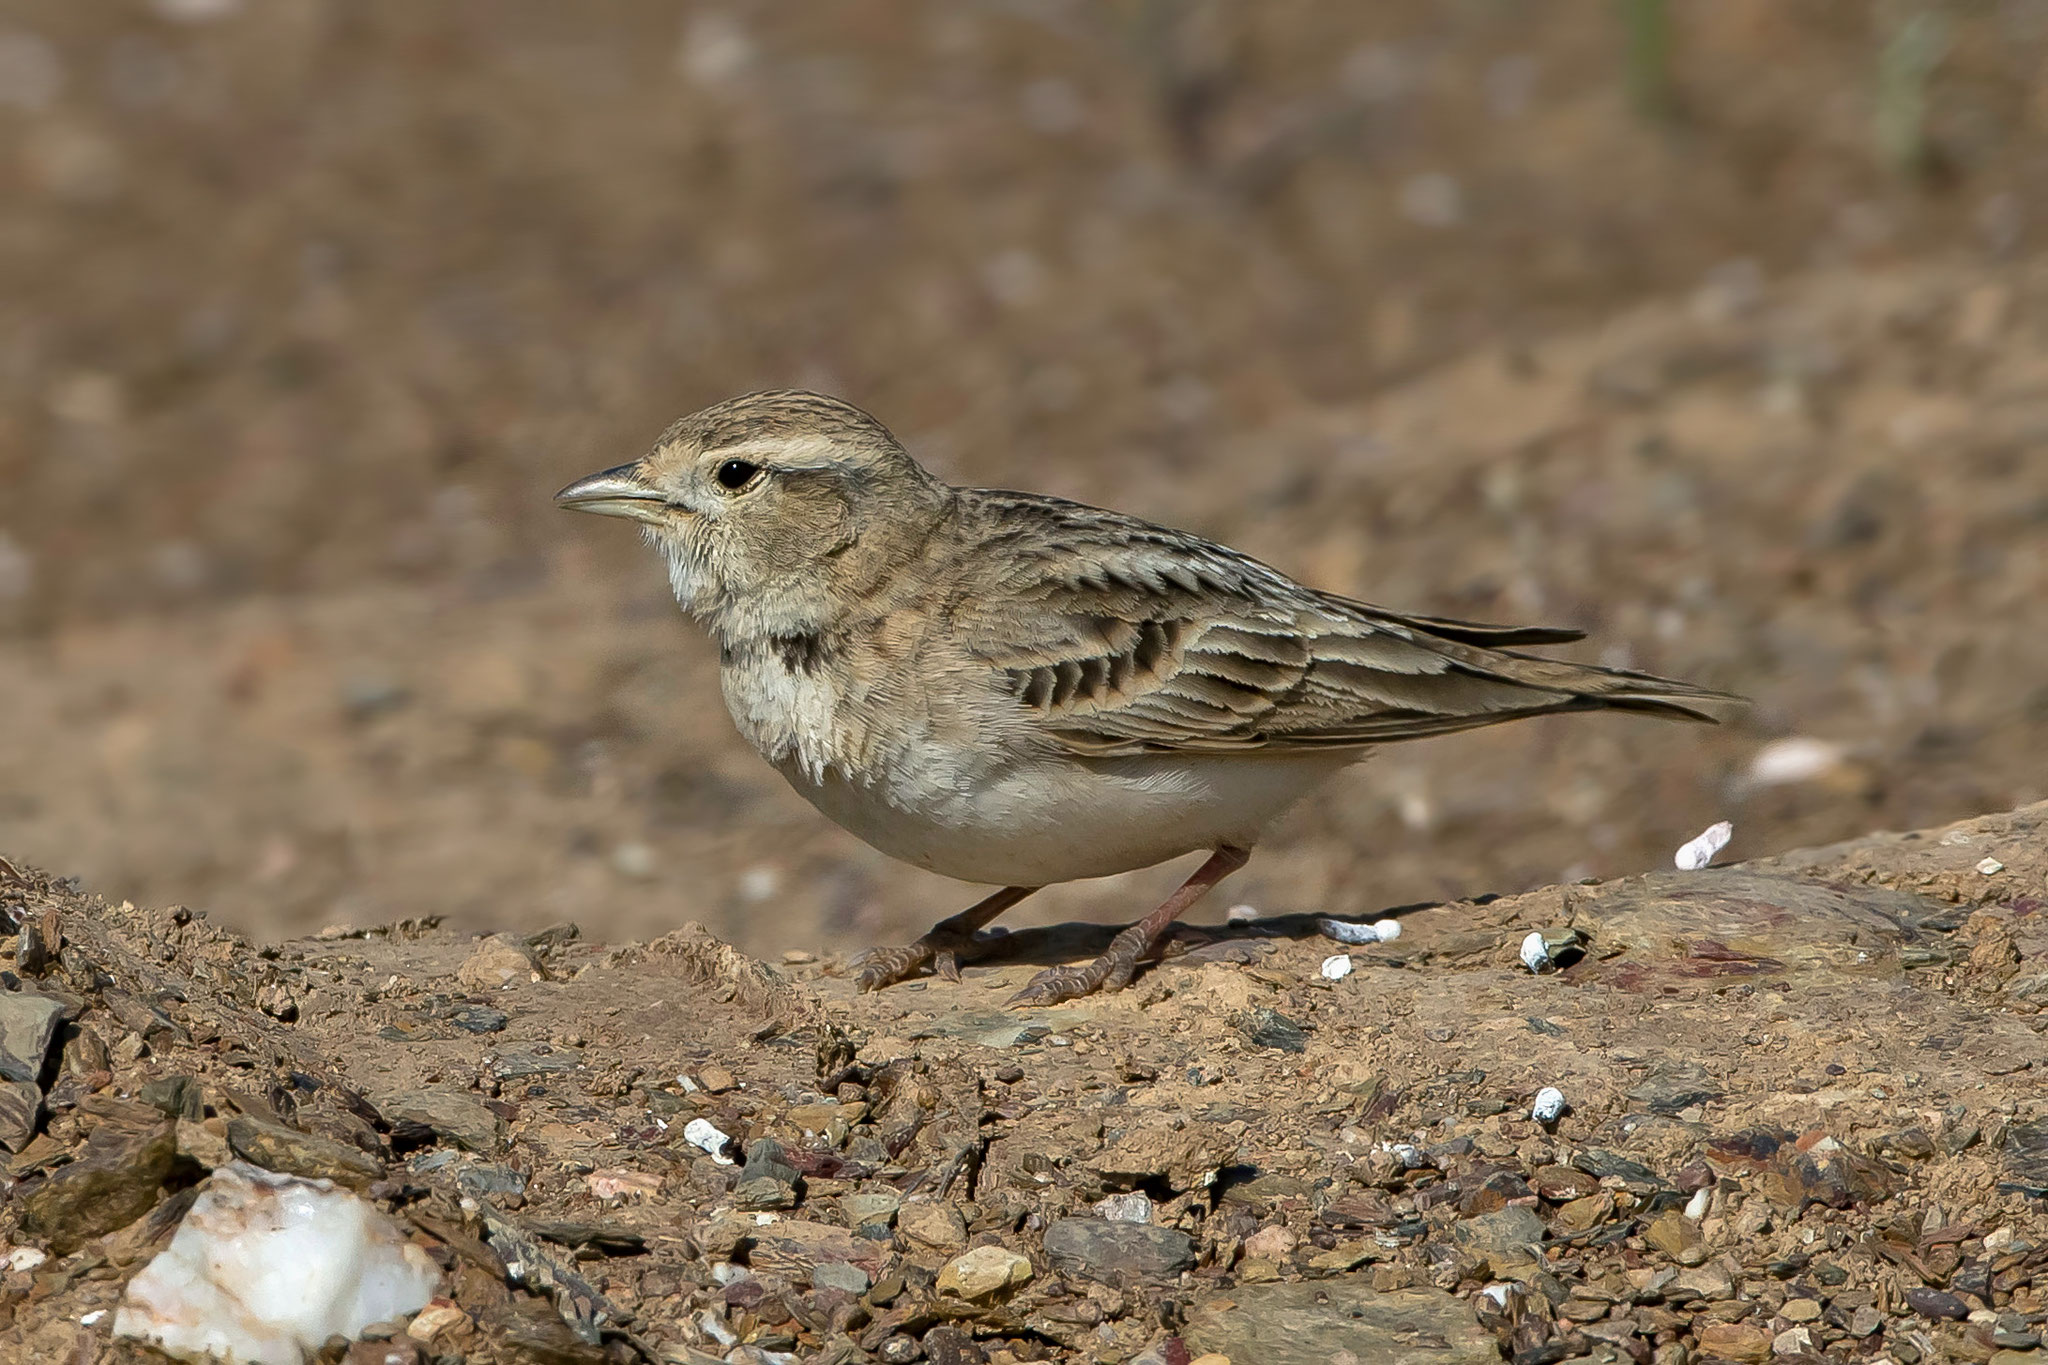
column 1716, row 330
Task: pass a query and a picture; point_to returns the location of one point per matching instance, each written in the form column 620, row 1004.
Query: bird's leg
column 942, row 945
column 1114, row 969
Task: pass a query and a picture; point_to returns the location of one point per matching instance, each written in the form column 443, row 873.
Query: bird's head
column 771, row 509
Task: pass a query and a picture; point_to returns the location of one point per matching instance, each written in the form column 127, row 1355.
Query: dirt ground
column 1239, row 1156
column 305, row 309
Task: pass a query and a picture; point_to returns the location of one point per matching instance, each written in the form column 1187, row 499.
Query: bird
column 1017, row 690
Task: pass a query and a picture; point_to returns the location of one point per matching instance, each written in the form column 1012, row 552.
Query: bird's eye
column 736, row 474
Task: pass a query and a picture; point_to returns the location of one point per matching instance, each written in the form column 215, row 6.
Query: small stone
column 842, row 1275
column 763, row 1193
column 1562, row 1184
column 1792, row 1341
column 1269, row 1028
column 1672, row 1233
column 497, row 962
column 870, row 1206
column 1339, row 1319
column 450, row 1115
column 1275, row 1242
column 1737, row 1341
column 20, row 1104
column 1932, row 1303
column 1091, row 1249
column 204, row 1142
column 716, row 1079
column 936, row 1225
column 115, row 1182
column 442, row 1315
column 1864, row 1321
column 290, row 1152
column 1507, row 1238
column 1990, row 867
column 402, row 1351
column 984, row 1273
column 28, row 1023
column 1800, row 1310
column 479, row 1019
column 1710, row 1282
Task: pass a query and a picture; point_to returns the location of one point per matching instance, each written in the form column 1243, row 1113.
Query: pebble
column 114, row 1182
column 479, row 1019
column 1508, row 1238
column 27, row 1024
column 1135, row 1207
column 936, row 1225
column 1091, row 1249
column 497, row 962
column 1800, row 1310
column 1737, row 1341
column 709, row 1137
column 1336, row 967
column 1699, row 851
column 984, row 1273
column 1548, row 1106
column 290, row 1152
column 452, row 1116
column 1932, row 1303
column 1342, row 1318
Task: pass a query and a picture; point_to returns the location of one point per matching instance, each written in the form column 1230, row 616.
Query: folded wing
column 1119, row 637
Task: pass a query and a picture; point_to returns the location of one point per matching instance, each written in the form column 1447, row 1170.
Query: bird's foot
column 944, row 948
column 1110, row 972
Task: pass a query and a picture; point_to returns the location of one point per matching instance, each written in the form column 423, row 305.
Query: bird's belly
column 1034, row 825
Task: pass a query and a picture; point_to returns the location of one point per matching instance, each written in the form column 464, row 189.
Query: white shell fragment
column 1549, row 1105
column 705, row 1134
column 1349, row 931
column 1336, row 967
column 1697, row 1206
column 1535, row 953
column 267, row 1267
column 1699, row 851
column 1990, row 867
column 1242, row 914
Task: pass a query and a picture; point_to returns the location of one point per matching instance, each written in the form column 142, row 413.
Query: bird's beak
column 615, row 492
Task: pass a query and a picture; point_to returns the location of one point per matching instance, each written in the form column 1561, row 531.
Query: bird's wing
column 1119, row 637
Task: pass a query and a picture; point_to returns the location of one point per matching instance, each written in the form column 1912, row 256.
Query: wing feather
column 1120, row 637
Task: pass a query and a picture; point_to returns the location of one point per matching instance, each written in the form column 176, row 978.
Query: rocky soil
column 1802, row 1120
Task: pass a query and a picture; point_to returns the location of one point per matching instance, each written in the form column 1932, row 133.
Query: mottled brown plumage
column 1012, row 688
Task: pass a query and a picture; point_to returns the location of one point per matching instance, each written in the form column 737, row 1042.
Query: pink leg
column 941, row 946
column 1114, row 969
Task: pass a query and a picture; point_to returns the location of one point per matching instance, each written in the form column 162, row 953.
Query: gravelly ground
column 1804, row 1122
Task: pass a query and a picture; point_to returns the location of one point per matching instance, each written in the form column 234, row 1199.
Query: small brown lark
column 1013, row 689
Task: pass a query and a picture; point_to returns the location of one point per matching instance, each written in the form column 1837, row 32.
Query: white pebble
column 1549, row 1105
column 1241, row 914
column 26, row 1258
column 1535, row 956
column 1800, row 758
column 1700, row 851
column 1336, row 967
column 707, row 1135
column 268, row 1267
column 1990, row 867
column 93, row 1317
column 1696, row 1207
column 1135, row 1207
column 1349, row 931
